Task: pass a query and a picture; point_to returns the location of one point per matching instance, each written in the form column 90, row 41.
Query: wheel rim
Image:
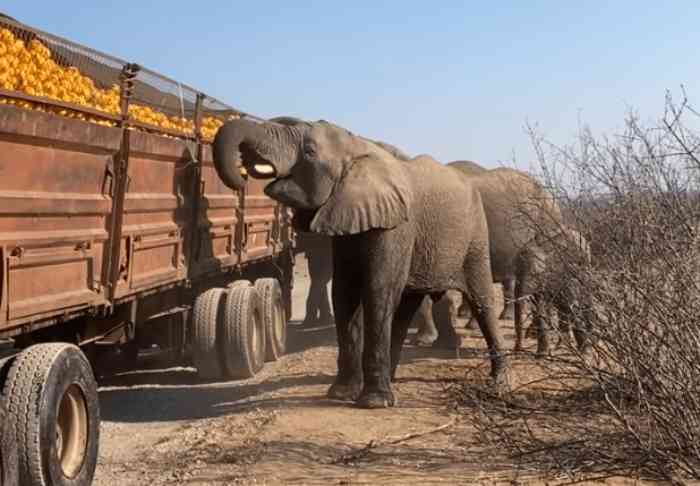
column 72, row 431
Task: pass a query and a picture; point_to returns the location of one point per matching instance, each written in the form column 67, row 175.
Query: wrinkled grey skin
column 546, row 284
column 400, row 231
column 519, row 213
column 427, row 330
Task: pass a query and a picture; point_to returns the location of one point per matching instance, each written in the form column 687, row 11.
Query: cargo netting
column 44, row 72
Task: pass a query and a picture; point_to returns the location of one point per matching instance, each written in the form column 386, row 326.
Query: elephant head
column 393, row 150
column 340, row 183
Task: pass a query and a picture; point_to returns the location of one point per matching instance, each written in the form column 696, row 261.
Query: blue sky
column 456, row 81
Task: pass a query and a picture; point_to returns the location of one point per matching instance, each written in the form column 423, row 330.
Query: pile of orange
column 29, row 68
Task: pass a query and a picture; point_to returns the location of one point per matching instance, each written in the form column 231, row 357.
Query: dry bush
column 631, row 406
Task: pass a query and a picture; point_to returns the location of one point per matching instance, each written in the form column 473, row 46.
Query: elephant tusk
column 244, row 172
column 264, row 169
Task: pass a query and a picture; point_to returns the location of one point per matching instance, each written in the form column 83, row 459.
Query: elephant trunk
column 264, row 150
column 226, row 150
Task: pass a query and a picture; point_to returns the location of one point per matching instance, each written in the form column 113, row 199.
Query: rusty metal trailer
column 116, row 237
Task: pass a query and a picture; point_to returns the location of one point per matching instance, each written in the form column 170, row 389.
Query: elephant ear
column 374, row 193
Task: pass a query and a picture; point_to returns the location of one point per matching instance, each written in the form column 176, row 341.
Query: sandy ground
column 162, row 426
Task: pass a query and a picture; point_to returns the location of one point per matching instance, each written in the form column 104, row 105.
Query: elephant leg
column 541, row 315
column 582, row 330
column 320, row 263
column 410, row 304
column 427, row 332
column 481, row 300
column 445, row 312
column 387, row 273
column 311, row 316
column 349, row 330
column 508, row 293
column 324, row 310
column 519, row 308
column 464, row 310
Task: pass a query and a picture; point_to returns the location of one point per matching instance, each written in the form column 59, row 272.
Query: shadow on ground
column 162, row 392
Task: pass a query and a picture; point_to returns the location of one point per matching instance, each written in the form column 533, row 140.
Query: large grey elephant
column 514, row 204
column 400, row 231
column 317, row 249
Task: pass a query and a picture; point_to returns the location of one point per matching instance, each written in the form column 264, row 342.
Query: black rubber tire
column 39, row 380
column 242, row 340
column 9, row 473
column 273, row 316
column 207, row 314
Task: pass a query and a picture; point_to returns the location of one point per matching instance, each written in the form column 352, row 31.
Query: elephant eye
column 309, row 151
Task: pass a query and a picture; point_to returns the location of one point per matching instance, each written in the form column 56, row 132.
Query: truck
column 118, row 238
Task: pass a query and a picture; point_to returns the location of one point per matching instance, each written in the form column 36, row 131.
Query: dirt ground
column 160, row 425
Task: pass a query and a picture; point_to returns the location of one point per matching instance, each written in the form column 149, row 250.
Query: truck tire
column 53, row 412
column 236, row 283
column 242, row 342
column 205, row 321
column 9, row 474
column 273, row 316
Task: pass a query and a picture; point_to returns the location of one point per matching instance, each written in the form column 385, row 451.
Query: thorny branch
column 358, row 454
column 632, row 405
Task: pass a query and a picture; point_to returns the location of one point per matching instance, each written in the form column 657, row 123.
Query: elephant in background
column 544, row 281
column 399, row 231
column 319, row 256
column 518, row 211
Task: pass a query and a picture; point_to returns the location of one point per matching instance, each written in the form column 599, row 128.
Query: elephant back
column 468, row 167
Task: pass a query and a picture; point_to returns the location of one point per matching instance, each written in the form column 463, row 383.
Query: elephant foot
column 518, row 348
column 425, row 339
column 311, row 322
column 376, row 399
column 500, row 375
column 349, row 392
column 472, row 325
column 450, row 342
column 542, row 353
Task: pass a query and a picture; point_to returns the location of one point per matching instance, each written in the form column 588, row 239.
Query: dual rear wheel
column 237, row 328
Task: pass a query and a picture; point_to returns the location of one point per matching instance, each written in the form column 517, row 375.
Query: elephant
column 517, row 208
column 399, row 231
column 319, row 255
column 318, row 251
column 544, row 280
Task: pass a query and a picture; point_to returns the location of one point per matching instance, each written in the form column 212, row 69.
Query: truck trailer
column 118, row 238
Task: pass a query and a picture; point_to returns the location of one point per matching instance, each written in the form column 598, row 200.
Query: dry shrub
column 631, row 406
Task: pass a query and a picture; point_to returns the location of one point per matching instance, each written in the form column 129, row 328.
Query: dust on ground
column 161, row 425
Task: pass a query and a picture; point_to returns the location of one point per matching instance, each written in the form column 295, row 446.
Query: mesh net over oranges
column 31, row 69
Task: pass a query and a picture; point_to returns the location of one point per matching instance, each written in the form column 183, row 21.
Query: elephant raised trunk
column 263, row 150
